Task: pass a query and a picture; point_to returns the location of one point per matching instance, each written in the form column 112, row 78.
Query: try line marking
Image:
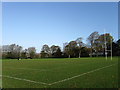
column 79, row 75
column 23, row 79
column 56, row 81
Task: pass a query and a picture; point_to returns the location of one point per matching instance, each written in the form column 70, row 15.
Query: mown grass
column 53, row 70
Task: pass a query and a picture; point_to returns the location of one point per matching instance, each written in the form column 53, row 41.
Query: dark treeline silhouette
column 76, row 49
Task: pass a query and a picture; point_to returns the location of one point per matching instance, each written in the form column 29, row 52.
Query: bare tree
column 80, row 43
column 97, row 46
column 102, row 38
column 93, row 36
column 12, row 48
column 18, row 50
column 15, row 50
column 70, row 48
column 46, row 48
column 45, row 51
column 32, row 51
column 53, row 49
column 106, row 36
column 67, row 50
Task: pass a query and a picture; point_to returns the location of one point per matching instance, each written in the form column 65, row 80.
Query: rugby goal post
column 106, row 46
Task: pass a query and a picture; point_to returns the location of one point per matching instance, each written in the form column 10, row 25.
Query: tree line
column 76, row 48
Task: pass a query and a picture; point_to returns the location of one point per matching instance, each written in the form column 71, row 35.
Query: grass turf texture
column 49, row 71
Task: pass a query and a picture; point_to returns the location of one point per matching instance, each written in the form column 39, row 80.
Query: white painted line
column 24, row 80
column 79, row 75
column 56, row 81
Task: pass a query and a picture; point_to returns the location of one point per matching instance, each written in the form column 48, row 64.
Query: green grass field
column 60, row 73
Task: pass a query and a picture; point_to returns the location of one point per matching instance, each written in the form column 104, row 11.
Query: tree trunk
column 79, row 54
column 97, row 54
column 91, row 52
column 69, row 56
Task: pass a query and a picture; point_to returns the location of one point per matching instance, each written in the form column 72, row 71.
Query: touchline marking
column 24, row 79
column 79, row 75
column 56, row 81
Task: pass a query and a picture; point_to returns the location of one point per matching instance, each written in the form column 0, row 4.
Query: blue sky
column 38, row 23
